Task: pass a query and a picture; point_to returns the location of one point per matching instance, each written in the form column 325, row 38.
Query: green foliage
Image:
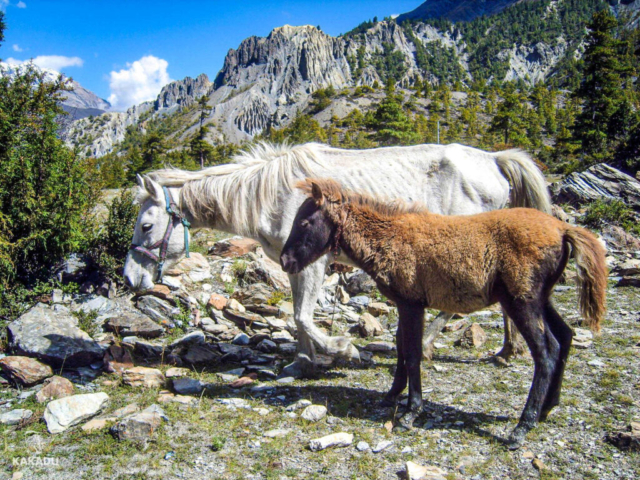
column 86, row 320
column 303, row 129
column 606, row 112
column 391, row 123
column 46, row 192
column 616, row 212
column 110, row 245
column 321, row 99
column 390, row 63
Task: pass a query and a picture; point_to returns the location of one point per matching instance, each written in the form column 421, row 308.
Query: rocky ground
column 182, row 382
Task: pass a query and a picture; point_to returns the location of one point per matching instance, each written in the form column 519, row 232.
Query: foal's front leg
column 411, row 319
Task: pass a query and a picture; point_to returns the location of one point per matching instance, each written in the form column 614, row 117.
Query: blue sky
column 126, row 50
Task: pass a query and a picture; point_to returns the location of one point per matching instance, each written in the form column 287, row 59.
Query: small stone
column 66, row 412
column 382, row 446
column 538, row 465
column 241, row 339
column 298, row 405
column 233, row 304
column 14, row 417
column 276, row 323
column 140, row 426
column 96, row 424
column 234, row 247
column 388, row 426
column 439, row 368
column 314, row 413
column 280, row 432
column 283, row 336
column 188, row 386
column 455, row 326
column 596, row 363
column 244, row 381
column 286, row 380
column 341, row 439
column 234, row 402
column 267, row 346
column 143, row 377
column 209, row 326
column 418, row 472
column 406, row 450
column 439, row 346
column 217, row 301
column 54, row 388
column 288, row 348
column 24, row 370
column 382, row 347
column 369, row 326
column 177, row 372
column 363, row 446
column 582, row 345
column 117, row 359
column 378, row 308
column 192, row 338
column 473, row 337
column 528, row 455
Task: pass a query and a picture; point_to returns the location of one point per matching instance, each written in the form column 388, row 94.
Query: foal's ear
column 154, row 188
column 317, row 194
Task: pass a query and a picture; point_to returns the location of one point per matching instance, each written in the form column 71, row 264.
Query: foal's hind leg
column 545, row 350
column 411, row 319
column 400, row 377
column 432, row 331
column 564, row 335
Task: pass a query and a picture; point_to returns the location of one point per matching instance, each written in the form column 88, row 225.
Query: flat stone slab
column 66, row 412
column 53, row 337
column 24, row 370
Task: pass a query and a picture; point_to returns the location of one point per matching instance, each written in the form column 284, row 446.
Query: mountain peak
column 457, row 10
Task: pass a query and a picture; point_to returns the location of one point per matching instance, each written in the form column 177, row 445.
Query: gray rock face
column 53, row 338
column 137, row 325
column 600, row 182
column 183, row 93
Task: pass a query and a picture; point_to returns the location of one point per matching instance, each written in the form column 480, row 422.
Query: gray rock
column 341, row 439
column 282, row 336
column 130, row 324
column 314, row 413
column 382, row 446
column 241, row 339
column 363, row 446
column 359, row 283
column 267, row 346
column 359, row 302
column 52, row 337
column 599, row 182
column 24, row 370
column 74, row 269
column 188, row 386
column 157, row 309
column 288, row 348
column 140, row 426
column 66, row 412
column 193, row 338
column 14, row 417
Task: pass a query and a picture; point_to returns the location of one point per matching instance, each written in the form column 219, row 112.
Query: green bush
column 616, row 212
column 111, row 243
column 46, row 191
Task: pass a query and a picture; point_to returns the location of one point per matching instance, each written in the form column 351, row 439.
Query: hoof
column 405, row 423
column 516, row 439
column 427, row 352
column 302, row 367
column 388, row 402
column 499, row 361
column 352, row 354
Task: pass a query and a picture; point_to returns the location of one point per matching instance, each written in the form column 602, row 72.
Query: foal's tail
column 592, row 274
column 528, row 188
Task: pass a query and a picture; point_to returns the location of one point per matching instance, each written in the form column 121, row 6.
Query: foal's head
column 314, row 228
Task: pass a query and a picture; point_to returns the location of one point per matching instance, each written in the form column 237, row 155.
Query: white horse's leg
column 432, row 331
column 305, row 287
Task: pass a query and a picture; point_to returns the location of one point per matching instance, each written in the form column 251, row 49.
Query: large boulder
column 52, row 337
column 131, row 324
column 600, row 182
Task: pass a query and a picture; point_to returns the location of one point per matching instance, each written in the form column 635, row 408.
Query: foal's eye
column 147, row 227
column 304, row 223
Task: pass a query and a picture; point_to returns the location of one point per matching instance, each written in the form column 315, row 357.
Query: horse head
column 160, row 237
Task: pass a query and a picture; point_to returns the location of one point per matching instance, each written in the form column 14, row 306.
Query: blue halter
column 163, row 244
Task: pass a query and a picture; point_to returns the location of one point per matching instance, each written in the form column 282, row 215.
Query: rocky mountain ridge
column 456, row 10
column 266, row 81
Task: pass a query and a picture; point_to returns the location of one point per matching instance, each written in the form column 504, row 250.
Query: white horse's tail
column 528, row 187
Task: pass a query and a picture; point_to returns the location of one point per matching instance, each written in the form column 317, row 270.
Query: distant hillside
column 456, row 10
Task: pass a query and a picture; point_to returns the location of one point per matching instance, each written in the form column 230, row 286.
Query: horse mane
column 336, row 194
column 239, row 192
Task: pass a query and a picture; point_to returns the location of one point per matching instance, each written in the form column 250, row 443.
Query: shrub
column 602, row 212
column 110, row 245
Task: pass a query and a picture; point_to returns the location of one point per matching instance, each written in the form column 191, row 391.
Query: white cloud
column 49, row 62
column 21, row 5
column 139, row 82
column 16, row 48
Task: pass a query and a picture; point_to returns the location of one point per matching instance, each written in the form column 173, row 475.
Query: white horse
column 255, row 197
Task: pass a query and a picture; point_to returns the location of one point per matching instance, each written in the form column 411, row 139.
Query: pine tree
column 391, row 123
column 601, row 90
